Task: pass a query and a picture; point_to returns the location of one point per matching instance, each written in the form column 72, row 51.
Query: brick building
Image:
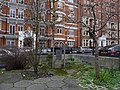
column 104, row 9
column 12, row 22
column 13, row 25
column 59, row 20
column 66, row 31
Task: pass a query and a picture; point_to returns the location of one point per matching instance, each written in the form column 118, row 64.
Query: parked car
column 46, row 51
column 110, row 50
column 74, row 50
column 84, row 49
column 68, row 50
column 43, row 51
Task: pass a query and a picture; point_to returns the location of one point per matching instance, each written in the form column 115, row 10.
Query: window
column 86, row 20
column 113, row 35
column 59, row 4
column 10, row 43
column 91, row 22
column 85, row 33
column 85, row 42
column 20, row 28
column 112, row 26
column 59, row 30
column 71, row 1
column 71, row 18
column 12, row 13
column 20, row 43
column 71, row 15
column 70, row 43
column 71, row 33
column 71, row 9
column 12, row 29
column 41, row 31
column 21, row 1
column 13, row 1
column 20, row 14
column 59, row 17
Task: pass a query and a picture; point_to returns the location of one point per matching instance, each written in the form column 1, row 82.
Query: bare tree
column 35, row 15
column 33, row 18
column 92, row 32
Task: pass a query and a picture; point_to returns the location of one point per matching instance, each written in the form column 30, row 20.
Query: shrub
column 16, row 60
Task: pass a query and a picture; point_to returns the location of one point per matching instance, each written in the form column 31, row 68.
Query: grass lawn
column 109, row 78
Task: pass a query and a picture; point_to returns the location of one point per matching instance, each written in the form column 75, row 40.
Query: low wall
column 109, row 62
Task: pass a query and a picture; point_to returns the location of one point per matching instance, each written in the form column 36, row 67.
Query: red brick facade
column 68, row 29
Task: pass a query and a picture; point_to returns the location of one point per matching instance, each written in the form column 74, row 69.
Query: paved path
column 49, row 83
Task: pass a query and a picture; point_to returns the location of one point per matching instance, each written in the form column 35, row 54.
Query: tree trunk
column 37, row 36
column 97, row 67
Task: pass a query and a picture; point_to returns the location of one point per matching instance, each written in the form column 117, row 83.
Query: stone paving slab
column 71, row 87
column 58, row 78
column 71, row 81
column 37, row 87
column 53, row 89
column 55, row 83
column 14, row 88
column 5, row 86
column 23, row 83
column 13, row 80
column 42, row 80
column 49, row 83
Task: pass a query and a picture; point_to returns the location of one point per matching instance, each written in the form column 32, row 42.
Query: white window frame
column 85, row 42
column 20, row 28
column 12, row 29
column 42, row 31
column 21, row 43
column 20, row 14
column 71, row 33
column 71, row 1
column 13, row 13
column 85, row 33
column 59, row 17
column 71, row 10
column 10, row 42
column 59, row 30
column 70, row 43
column 13, row 1
column 60, row 4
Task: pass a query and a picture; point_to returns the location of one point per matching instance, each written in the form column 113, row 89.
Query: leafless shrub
column 15, row 59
